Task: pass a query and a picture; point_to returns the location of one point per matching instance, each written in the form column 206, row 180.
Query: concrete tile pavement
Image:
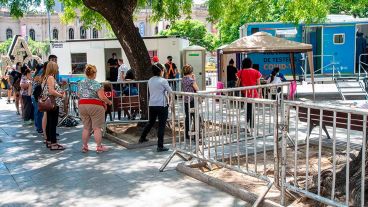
column 32, row 175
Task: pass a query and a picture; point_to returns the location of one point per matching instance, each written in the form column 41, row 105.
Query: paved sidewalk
column 31, row 175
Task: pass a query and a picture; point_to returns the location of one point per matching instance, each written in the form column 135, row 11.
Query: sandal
column 48, row 144
column 58, row 147
column 101, row 148
column 85, row 148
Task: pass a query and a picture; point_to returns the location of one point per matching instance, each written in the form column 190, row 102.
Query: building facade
column 37, row 27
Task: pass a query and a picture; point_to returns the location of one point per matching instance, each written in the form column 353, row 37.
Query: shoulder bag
column 46, row 103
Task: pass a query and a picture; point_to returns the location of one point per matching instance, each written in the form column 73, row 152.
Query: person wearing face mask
column 158, row 105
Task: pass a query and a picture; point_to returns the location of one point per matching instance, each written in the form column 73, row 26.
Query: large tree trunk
column 355, row 180
column 120, row 16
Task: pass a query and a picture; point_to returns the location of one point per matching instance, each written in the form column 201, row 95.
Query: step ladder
column 351, row 88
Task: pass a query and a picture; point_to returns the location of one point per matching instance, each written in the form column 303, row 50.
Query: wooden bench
column 129, row 104
column 356, row 121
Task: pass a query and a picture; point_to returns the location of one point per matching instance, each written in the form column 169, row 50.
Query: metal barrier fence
column 335, row 176
column 125, row 100
column 266, row 91
column 228, row 131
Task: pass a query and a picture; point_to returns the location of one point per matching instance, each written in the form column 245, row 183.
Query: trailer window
column 339, row 39
column 79, row 61
column 286, row 33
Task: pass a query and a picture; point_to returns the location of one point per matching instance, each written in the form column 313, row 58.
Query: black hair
column 231, row 61
column 276, row 69
column 114, row 53
column 38, row 68
column 26, row 71
column 156, row 69
column 247, row 63
column 52, row 57
column 169, row 57
column 273, row 75
column 23, row 69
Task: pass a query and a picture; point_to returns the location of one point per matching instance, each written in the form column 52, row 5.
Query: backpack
column 69, row 122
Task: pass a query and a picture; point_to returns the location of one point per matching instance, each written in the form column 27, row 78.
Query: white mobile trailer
column 98, row 51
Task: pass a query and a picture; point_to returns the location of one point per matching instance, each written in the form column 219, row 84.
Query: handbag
column 46, row 103
column 238, row 81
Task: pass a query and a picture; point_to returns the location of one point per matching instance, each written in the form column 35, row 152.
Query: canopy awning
column 262, row 42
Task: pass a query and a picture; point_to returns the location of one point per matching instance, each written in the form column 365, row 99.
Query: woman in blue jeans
column 158, row 106
column 37, row 114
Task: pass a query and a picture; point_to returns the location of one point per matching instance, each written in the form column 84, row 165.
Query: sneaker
column 162, row 149
column 40, row 131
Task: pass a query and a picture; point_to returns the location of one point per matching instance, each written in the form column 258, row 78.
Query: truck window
column 339, row 39
column 254, row 30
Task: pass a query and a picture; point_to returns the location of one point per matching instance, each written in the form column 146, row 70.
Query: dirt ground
column 132, row 132
column 257, row 186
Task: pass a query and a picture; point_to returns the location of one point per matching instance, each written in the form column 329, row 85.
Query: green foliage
column 231, row 14
column 4, row 46
column 195, row 31
column 357, row 8
column 76, row 8
column 38, row 48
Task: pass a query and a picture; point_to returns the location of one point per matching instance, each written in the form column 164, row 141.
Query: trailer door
column 338, row 49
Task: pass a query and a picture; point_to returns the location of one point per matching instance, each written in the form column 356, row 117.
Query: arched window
column 55, row 34
column 71, row 33
column 95, row 33
column 32, row 34
column 9, row 33
column 83, row 33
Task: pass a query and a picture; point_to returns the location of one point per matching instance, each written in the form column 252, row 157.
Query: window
column 55, row 34
column 83, row 33
column 32, row 34
column 156, row 30
column 79, row 61
column 286, row 33
column 254, row 30
column 71, row 34
column 9, row 33
column 339, row 39
column 95, row 33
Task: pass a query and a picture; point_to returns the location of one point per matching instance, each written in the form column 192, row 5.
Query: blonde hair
column 187, row 69
column 90, row 71
column 51, row 69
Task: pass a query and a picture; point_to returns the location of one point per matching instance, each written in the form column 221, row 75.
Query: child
column 110, row 94
column 26, row 92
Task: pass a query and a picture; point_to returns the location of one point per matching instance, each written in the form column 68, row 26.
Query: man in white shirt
column 123, row 69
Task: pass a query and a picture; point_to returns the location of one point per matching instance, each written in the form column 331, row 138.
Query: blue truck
column 337, row 45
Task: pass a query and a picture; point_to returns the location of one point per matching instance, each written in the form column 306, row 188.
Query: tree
column 231, row 14
column 357, row 8
column 36, row 48
column 195, row 31
column 4, row 46
column 119, row 15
